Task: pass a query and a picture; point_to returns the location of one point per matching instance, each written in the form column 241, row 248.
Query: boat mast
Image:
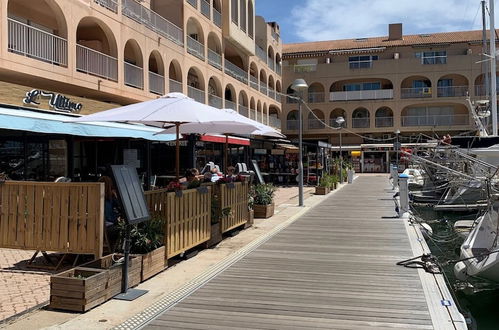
column 493, row 92
column 485, row 64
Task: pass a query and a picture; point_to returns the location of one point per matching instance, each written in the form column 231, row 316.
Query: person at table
column 111, row 205
column 215, row 175
column 191, row 179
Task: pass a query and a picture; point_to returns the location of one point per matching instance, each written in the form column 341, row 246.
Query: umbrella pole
column 226, row 153
column 177, row 151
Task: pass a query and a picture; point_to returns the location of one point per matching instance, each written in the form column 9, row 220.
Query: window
column 434, row 57
column 367, row 86
column 360, row 62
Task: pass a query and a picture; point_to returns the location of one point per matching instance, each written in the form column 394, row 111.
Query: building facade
column 105, row 53
column 414, row 84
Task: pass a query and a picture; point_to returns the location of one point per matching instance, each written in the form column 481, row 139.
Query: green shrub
column 145, row 236
column 263, row 194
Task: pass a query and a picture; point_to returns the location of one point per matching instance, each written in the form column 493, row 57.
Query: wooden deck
column 333, row 268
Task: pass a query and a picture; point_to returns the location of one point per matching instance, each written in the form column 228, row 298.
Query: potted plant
column 324, row 185
column 263, row 200
column 333, row 180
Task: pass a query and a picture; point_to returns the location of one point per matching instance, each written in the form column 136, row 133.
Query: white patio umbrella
column 171, row 110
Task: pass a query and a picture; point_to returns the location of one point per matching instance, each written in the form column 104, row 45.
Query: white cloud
column 342, row 19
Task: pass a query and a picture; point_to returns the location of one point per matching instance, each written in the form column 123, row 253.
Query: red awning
column 221, row 139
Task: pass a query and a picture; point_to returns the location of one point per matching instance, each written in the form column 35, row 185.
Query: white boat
column 479, row 252
column 416, row 180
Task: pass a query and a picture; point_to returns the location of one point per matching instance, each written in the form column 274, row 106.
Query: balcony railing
column 333, row 123
column 243, row 111
column 217, row 18
column 195, row 48
column 153, row 21
column 290, row 100
column 96, row 63
column 175, row 86
column 134, row 76
column 435, row 120
column 205, row 8
column 274, row 122
column 233, row 70
column 263, row 88
column 384, row 121
column 215, row 101
column 315, row 124
column 252, row 114
column 230, row 105
column 214, row 59
column 278, row 69
column 156, row 83
column 360, row 122
column 415, row 93
column 259, row 117
column 271, row 93
column 261, row 53
column 270, row 63
column 196, row 94
column 315, row 97
column 35, row 43
column 112, row 5
column 194, row 3
column 274, row 35
column 301, row 68
column 278, row 96
column 452, row 91
column 292, row 124
column 378, row 94
column 481, row 91
column 254, row 82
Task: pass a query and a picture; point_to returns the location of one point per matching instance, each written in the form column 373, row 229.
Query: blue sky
column 314, row 20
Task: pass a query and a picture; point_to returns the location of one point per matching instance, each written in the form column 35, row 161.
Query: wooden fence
column 49, row 216
column 234, row 196
column 188, row 217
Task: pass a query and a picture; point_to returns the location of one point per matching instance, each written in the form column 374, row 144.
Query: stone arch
column 292, row 120
column 156, row 73
column 134, row 64
column 215, row 92
column 230, row 96
column 48, row 16
column 196, row 84
column 338, row 112
column 417, row 86
column 316, row 93
column 175, row 76
column 360, row 118
column 316, row 119
column 452, row 85
column 384, row 117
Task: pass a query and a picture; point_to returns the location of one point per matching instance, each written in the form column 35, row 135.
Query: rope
column 428, row 262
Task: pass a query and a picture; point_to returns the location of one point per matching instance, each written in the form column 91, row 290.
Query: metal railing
column 290, row 100
column 156, row 83
column 215, row 101
column 452, row 91
column 271, row 63
column 360, row 122
column 233, row 70
column 96, row 63
column 278, row 68
column 315, row 97
column 254, row 82
column 300, row 68
column 175, row 86
column 205, row 8
column 292, row 124
column 271, row 93
column 194, row 3
column 214, row 59
column 195, row 48
column 274, row 35
column 419, row 92
column 217, row 18
column 153, row 21
column 112, row 5
column 278, row 96
column 252, row 114
column 378, row 94
column 259, row 117
column 261, row 53
column 263, row 88
column 435, row 120
column 35, row 43
column 243, row 110
column 230, row 105
column 196, row 94
column 383, row 121
column 315, row 124
column 134, row 76
column 274, row 122
column 481, row 91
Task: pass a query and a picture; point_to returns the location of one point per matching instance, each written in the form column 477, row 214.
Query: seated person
column 215, row 176
column 207, row 177
column 230, row 172
column 191, row 178
column 111, row 205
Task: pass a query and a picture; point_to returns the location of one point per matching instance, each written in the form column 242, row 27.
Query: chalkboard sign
column 257, row 171
column 130, row 193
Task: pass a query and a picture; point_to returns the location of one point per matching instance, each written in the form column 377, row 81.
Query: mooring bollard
column 403, row 193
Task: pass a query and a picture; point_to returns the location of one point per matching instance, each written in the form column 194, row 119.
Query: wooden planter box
column 153, row 263
column 251, row 219
column 263, row 211
column 78, row 289
column 216, row 235
column 234, row 196
column 115, row 272
column 321, row 190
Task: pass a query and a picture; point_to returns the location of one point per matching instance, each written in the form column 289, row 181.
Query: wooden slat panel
column 237, row 199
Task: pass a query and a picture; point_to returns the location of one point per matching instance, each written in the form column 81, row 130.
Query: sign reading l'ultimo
column 56, row 101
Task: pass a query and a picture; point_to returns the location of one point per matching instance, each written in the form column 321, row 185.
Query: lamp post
column 340, row 120
column 299, row 86
column 397, row 147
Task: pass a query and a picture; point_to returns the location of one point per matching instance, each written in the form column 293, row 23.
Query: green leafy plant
column 325, row 181
column 146, row 236
column 217, row 213
column 263, row 194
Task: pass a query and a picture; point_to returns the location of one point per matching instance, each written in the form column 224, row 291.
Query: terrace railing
column 274, row 122
column 263, row 88
column 315, row 124
column 435, row 120
column 217, row 18
column 452, row 91
column 195, row 48
column 205, row 8
column 254, row 82
column 156, row 83
column 383, row 121
column 243, row 110
column 175, row 86
column 233, row 70
column 214, row 59
column 134, row 76
column 315, row 97
column 112, row 5
column 252, row 114
column 378, row 94
column 419, row 92
column 215, row 101
column 360, row 122
column 230, row 105
column 96, row 63
column 196, row 94
column 292, row 124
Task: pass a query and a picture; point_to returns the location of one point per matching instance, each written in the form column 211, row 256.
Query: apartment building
column 412, row 84
column 97, row 54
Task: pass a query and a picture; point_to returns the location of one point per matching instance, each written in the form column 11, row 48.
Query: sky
column 315, row 20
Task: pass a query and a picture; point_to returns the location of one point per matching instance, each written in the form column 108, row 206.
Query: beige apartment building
column 415, row 84
column 103, row 53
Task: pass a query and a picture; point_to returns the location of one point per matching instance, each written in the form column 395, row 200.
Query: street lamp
column 397, row 147
column 340, row 120
column 300, row 86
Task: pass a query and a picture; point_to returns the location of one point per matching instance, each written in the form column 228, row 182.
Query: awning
column 221, row 139
column 52, row 123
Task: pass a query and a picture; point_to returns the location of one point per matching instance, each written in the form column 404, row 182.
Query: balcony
column 217, row 18
column 292, row 124
column 153, row 21
column 156, row 83
column 379, row 94
column 195, row 48
column 384, row 121
column 271, row 63
column 263, row 88
column 112, row 5
column 236, row 72
column 254, row 82
column 271, row 93
column 134, row 76
column 193, row 3
column 415, row 93
column 215, row 101
column 175, row 86
column 277, row 96
column 35, row 43
column 315, row 97
column 214, row 59
column 435, row 120
column 205, row 8
column 333, row 123
column 96, row 63
column 315, row 124
column 303, row 68
column 274, row 122
column 481, row 91
column 360, row 122
column 196, row 94
column 252, row 114
column 243, row 111
column 261, row 53
column 230, row 105
column 278, row 69
column 452, row 91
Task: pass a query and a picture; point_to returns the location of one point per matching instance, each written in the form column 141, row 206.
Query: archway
column 175, row 77
column 338, row 112
column 133, row 62
column 214, row 51
column 452, row 85
column 316, row 119
column 215, row 93
column 416, row 87
column 360, row 118
column 156, row 73
column 316, row 93
column 230, row 97
column 243, row 103
column 384, row 117
column 195, row 38
column 196, row 85
column 292, row 120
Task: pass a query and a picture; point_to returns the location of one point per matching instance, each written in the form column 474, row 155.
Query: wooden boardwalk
column 333, row 268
